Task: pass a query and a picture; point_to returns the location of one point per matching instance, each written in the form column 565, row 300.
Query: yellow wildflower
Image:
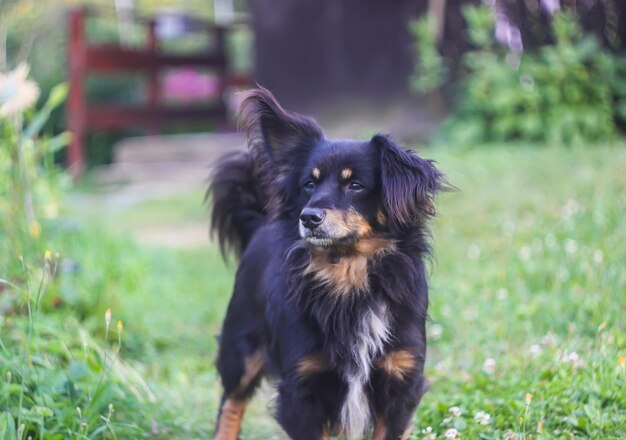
column 35, row 229
column 528, row 398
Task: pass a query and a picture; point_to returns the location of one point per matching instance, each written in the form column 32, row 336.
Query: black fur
column 286, row 310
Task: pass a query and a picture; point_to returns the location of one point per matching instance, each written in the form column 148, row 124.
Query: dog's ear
column 275, row 134
column 409, row 183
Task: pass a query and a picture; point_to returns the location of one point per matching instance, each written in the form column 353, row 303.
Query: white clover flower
column 446, row 421
column 489, row 366
column 455, row 411
column 429, row 434
column 17, row 93
column 451, row 434
column 598, row 257
column 550, row 240
column 525, row 253
column 482, row 418
column 571, row 246
column 510, row 435
column 534, row 349
column 502, row 294
column 570, row 208
column 549, row 339
column 573, row 359
column 436, row 331
column 473, row 252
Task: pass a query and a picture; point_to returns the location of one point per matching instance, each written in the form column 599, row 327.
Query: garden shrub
column 569, row 92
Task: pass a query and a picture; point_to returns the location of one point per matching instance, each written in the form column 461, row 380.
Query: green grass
column 529, row 269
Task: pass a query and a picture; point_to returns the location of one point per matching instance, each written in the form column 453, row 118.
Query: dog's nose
column 311, row 218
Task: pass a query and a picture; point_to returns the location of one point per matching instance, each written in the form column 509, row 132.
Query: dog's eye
column 355, row 186
column 309, row 185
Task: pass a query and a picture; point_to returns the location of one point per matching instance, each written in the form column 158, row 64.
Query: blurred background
column 112, row 112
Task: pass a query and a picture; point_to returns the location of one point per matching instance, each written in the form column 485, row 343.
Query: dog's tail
column 237, row 202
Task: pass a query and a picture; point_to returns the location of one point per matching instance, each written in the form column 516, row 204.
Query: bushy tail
column 238, row 204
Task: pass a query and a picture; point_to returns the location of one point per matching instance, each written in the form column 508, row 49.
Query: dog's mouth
column 322, row 240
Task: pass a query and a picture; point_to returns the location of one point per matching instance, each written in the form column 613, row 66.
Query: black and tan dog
column 331, row 294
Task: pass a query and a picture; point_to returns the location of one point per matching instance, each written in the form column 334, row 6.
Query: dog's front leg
column 397, row 385
column 300, row 411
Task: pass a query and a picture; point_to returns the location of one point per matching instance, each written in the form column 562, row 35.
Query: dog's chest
column 368, row 343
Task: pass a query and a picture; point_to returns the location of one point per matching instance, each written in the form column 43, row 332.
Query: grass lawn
column 528, row 302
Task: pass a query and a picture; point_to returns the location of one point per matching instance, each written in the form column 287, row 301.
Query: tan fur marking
column 407, row 433
column 380, row 430
column 374, row 246
column 381, row 217
column 340, row 224
column 349, row 272
column 397, row 364
column 312, row 364
column 229, row 424
column 346, row 173
column 316, row 173
column 325, row 432
column 252, row 368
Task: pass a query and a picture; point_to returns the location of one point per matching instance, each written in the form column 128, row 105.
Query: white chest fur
column 374, row 332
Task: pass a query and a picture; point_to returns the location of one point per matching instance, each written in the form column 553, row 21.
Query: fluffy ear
column 275, row 134
column 409, row 183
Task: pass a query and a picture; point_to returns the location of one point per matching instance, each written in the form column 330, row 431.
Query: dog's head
column 337, row 192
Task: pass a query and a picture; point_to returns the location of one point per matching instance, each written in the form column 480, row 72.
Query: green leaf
column 42, row 411
column 77, row 370
column 57, row 96
column 57, row 143
column 7, row 427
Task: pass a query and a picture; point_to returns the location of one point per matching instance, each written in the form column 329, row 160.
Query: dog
column 331, row 294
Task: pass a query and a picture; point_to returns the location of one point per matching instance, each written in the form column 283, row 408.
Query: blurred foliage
column 569, row 92
column 57, row 381
column 31, row 184
column 430, row 68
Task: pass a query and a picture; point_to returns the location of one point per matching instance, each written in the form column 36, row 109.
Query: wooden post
column 437, row 13
column 153, row 75
column 219, row 33
column 76, row 105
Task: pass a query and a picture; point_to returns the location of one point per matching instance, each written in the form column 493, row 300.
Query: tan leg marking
column 253, row 366
column 407, row 433
column 397, row 364
column 229, row 424
column 325, row 433
column 380, row 430
column 312, row 364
